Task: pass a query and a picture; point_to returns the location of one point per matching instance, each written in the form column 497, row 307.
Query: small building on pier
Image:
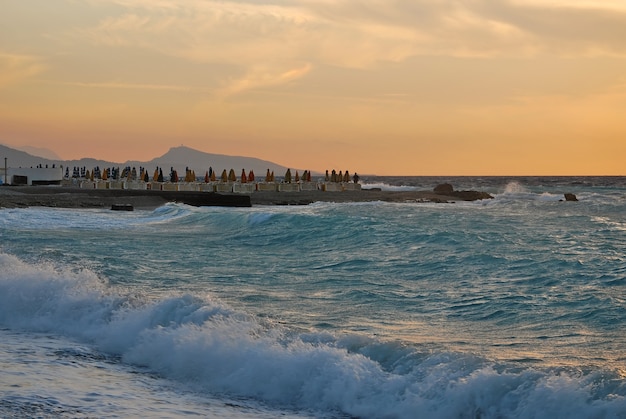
column 31, row 176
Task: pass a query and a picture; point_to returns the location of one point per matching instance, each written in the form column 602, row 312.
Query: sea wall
column 221, row 187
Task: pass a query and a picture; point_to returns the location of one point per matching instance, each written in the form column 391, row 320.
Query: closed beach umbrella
column 268, row 176
column 212, row 175
column 288, row 176
column 244, row 178
column 232, row 177
column 105, row 175
column 155, row 177
column 224, row 177
column 251, row 176
column 206, row 177
column 297, row 177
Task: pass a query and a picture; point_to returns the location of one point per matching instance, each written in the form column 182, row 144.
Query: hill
column 17, row 158
column 182, row 157
column 177, row 157
column 40, row 152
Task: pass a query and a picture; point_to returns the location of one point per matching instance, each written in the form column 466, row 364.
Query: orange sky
column 388, row 87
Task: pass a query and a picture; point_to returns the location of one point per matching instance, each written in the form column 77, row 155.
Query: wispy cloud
column 127, row 86
column 16, row 68
column 361, row 34
column 261, row 77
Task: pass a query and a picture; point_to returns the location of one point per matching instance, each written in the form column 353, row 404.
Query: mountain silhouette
column 177, row 157
column 181, row 157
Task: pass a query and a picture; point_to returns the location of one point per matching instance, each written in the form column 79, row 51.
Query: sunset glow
column 518, row 87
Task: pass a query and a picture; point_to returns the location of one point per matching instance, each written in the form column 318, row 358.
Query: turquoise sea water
column 511, row 307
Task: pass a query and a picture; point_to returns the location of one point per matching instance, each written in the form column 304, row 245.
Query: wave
column 201, row 341
column 387, row 187
column 516, row 191
column 38, row 218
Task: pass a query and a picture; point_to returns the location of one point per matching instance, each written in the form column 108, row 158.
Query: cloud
column 361, row 34
column 260, row 77
column 16, row 68
column 129, row 86
column 574, row 28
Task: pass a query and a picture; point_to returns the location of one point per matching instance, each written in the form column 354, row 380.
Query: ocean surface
column 507, row 308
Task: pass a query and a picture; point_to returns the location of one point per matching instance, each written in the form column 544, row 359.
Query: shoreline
column 73, row 197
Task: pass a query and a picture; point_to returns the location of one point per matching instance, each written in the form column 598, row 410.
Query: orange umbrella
column 206, row 177
column 251, row 176
column 244, row 178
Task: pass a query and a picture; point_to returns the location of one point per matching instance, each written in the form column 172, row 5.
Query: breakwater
column 220, row 187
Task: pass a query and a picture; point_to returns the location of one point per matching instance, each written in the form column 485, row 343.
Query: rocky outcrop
column 444, row 189
column 570, row 197
column 448, row 190
column 471, row 195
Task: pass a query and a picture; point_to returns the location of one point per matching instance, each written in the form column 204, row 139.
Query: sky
column 386, row 87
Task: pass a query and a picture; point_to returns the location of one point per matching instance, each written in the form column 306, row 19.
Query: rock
column 447, row 190
column 570, row 197
column 122, row 207
column 444, row 189
column 472, row 195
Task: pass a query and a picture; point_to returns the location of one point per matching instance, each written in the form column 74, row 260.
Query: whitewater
column 513, row 307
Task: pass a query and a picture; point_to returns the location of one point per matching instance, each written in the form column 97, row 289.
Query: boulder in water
column 570, row 197
column 448, row 190
column 472, row 195
column 444, row 189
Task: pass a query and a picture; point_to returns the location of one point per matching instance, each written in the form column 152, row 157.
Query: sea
column 511, row 307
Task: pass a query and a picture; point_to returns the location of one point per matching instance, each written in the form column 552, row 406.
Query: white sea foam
column 387, row 187
column 202, row 342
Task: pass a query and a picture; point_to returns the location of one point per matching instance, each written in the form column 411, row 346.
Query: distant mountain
column 40, row 152
column 17, row 158
column 182, row 157
column 177, row 157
